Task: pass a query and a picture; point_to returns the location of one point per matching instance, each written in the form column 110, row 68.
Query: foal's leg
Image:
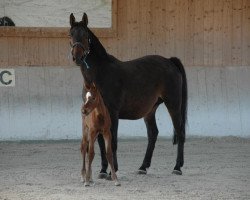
column 84, row 146
column 114, row 128
column 83, row 151
column 107, row 138
column 152, row 132
column 91, row 154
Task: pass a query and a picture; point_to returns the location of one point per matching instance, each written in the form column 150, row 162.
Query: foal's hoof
column 102, row 175
column 177, row 172
column 87, row 184
column 117, row 183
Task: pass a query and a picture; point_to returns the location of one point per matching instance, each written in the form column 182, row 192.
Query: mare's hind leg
column 152, row 132
column 179, row 135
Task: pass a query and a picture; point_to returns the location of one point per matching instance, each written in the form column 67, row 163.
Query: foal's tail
column 179, row 65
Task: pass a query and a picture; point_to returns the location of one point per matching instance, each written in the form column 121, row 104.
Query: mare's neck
column 97, row 51
column 95, row 60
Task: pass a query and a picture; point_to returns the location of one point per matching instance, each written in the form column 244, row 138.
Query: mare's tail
column 179, row 65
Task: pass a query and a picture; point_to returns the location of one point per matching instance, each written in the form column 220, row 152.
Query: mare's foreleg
column 103, row 173
column 152, row 132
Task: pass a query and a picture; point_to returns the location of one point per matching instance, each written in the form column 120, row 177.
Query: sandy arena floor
column 215, row 168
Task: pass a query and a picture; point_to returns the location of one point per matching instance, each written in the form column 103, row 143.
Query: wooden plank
column 43, row 52
column 208, row 32
column 64, row 53
column 172, row 27
column 53, row 51
column 133, row 29
column 237, row 33
column 218, row 15
column 122, row 30
column 199, row 33
column 227, row 32
column 13, row 52
column 4, row 51
column 22, row 43
column 31, row 51
column 246, row 33
column 157, row 31
column 181, row 8
column 189, row 34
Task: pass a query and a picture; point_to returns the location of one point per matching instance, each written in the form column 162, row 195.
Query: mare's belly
column 136, row 109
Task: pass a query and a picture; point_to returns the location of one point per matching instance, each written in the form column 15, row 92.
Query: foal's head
column 80, row 40
column 92, row 99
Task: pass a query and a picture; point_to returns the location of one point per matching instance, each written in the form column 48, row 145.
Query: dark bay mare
column 132, row 90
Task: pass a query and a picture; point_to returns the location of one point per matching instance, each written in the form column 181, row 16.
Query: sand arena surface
column 215, row 168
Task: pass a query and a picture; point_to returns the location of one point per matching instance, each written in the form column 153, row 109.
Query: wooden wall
column 200, row 32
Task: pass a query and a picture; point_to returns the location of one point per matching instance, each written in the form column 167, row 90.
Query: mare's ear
column 85, row 20
column 72, row 20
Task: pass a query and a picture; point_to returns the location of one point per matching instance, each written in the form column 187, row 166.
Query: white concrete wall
column 45, row 104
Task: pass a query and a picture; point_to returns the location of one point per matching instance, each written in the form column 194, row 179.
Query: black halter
column 85, row 52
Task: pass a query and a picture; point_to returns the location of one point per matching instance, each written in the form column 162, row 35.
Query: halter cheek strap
column 85, row 52
column 84, row 60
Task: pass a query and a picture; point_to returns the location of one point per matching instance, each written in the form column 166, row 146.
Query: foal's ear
column 87, row 86
column 94, row 86
column 85, row 19
column 72, row 19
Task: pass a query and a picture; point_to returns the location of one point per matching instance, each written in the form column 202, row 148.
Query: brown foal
column 95, row 119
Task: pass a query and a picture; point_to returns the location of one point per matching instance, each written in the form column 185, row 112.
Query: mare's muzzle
column 80, row 58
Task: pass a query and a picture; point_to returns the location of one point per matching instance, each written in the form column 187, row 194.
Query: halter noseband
column 85, row 52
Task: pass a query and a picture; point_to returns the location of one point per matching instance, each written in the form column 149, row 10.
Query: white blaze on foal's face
column 88, row 96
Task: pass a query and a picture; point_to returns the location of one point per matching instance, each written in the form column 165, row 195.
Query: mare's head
column 92, row 99
column 80, row 40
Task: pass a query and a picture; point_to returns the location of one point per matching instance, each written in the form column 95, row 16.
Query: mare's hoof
column 102, row 175
column 141, row 171
column 109, row 178
column 117, row 183
column 177, row 172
